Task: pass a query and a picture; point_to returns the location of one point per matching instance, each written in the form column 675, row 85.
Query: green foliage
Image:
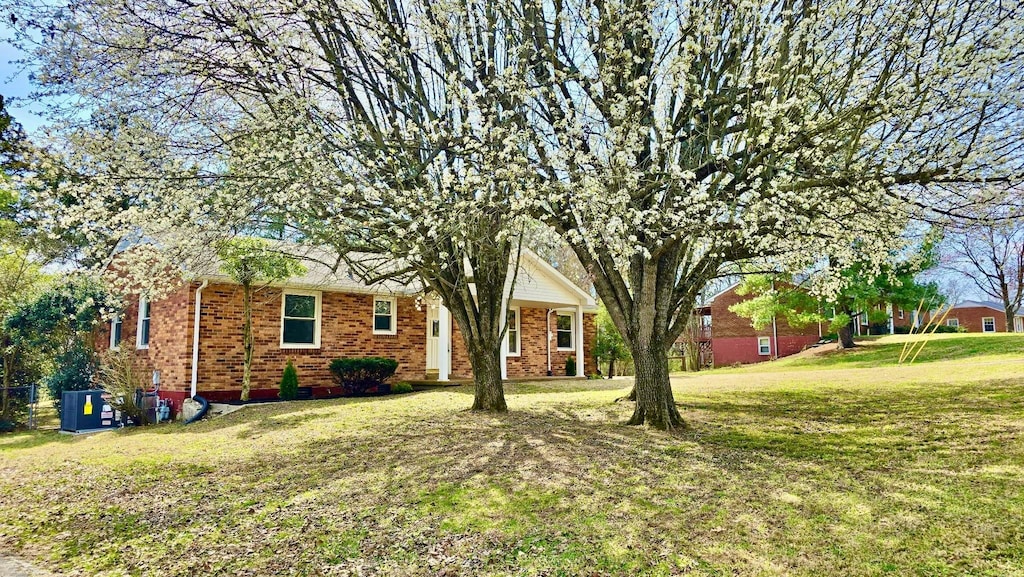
column 250, row 260
column 60, row 313
column 289, row 389
column 74, row 370
column 401, row 388
column 12, row 141
column 941, row 329
column 570, row 366
column 58, row 324
column 877, row 317
column 609, row 344
column 778, row 296
column 358, row 375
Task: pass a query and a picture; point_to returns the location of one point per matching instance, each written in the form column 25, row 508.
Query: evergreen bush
column 401, row 388
column 289, row 389
column 358, row 375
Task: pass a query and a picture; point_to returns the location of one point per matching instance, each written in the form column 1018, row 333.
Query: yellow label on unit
column 87, row 409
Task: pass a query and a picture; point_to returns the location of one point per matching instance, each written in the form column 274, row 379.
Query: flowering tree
column 662, row 140
column 374, row 127
column 676, row 137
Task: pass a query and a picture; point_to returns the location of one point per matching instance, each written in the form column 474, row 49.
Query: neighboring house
column 983, row 317
column 734, row 340
column 324, row 315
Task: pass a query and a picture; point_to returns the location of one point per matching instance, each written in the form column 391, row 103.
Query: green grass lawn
column 843, row 465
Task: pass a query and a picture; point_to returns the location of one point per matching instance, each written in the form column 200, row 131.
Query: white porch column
column 504, row 341
column 444, row 343
column 581, row 370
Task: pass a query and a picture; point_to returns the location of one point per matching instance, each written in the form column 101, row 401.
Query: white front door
column 433, row 332
column 1018, row 324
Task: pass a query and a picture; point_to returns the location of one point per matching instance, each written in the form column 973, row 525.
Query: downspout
column 195, row 336
column 775, row 335
column 547, row 322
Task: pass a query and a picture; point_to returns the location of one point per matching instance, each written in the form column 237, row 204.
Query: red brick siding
column 725, row 323
column 534, row 359
column 971, row 318
column 346, row 331
column 170, row 341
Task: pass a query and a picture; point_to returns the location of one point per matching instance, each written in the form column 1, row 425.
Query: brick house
column 197, row 349
column 732, row 339
column 983, row 317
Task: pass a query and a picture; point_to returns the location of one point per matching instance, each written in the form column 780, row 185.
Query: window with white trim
column 764, row 346
column 952, row 322
column 563, row 332
column 384, row 316
column 512, row 322
column 988, row 324
column 901, row 314
column 115, row 332
column 300, row 319
column 142, row 331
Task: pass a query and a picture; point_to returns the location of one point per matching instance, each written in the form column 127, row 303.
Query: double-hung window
column 115, row 332
column 513, row 332
column 764, row 346
column 988, row 324
column 952, row 322
column 142, row 331
column 563, row 335
column 384, row 316
column 300, row 320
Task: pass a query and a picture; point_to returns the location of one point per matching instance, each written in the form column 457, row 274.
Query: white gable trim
column 531, row 257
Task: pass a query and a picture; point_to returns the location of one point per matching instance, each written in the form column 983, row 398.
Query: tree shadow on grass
column 461, row 489
column 863, row 428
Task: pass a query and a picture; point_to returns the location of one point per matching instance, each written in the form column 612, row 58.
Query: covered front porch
column 549, row 331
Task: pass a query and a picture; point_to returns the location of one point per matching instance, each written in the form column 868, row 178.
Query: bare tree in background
column 990, row 254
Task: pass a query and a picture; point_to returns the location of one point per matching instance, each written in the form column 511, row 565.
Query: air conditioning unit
column 86, row 411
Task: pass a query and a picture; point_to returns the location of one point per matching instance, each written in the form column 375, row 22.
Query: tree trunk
column 654, row 402
column 611, row 367
column 247, row 340
column 488, row 392
column 1009, row 320
column 846, row 337
column 480, row 319
column 5, row 401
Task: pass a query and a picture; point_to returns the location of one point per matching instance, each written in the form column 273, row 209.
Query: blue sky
column 14, row 84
